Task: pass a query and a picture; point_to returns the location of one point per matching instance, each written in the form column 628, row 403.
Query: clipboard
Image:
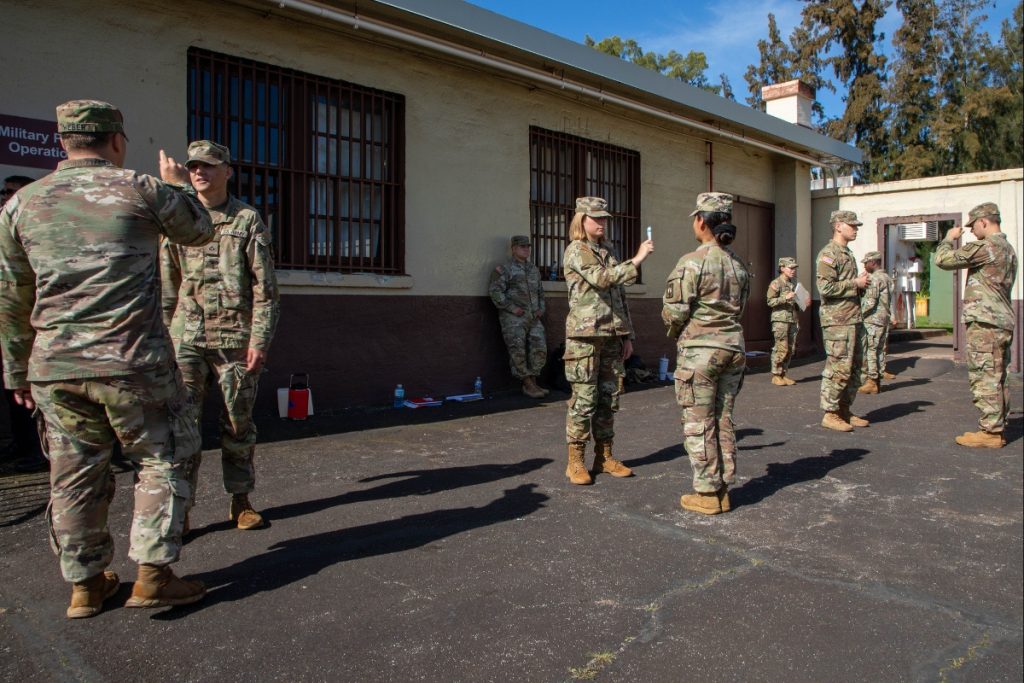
column 801, row 296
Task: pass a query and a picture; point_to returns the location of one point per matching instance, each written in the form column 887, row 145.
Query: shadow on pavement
column 297, row 558
column 896, row 411
column 895, row 384
column 781, row 475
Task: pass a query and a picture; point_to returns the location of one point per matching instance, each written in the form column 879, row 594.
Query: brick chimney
column 790, row 101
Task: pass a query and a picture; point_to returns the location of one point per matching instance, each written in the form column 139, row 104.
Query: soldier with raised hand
column 705, row 296
column 785, row 320
column 991, row 265
column 598, row 334
column 221, row 304
column 83, row 341
column 840, row 288
column 876, row 309
column 517, row 292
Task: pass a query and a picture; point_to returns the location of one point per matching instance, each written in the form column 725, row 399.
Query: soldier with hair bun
column 598, row 338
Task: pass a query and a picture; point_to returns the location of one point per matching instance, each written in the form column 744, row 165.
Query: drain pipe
column 478, row 57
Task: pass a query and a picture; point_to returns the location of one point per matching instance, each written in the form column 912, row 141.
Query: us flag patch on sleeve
column 827, row 259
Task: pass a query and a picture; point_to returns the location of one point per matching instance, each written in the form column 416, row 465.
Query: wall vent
column 919, row 232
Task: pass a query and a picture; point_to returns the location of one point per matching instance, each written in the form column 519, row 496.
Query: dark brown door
column 755, row 244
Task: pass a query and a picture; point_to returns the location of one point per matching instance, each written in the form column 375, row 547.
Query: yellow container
column 921, row 306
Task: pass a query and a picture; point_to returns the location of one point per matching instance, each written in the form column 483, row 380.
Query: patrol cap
column 595, row 207
column 787, row 262
column 982, row 211
column 520, row 241
column 713, row 201
column 848, row 217
column 872, row 256
column 208, row 152
column 89, row 116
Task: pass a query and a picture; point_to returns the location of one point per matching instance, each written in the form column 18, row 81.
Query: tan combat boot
column 159, row 587
column 855, row 421
column 778, row 381
column 981, row 439
column 704, row 503
column 606, row 463
column 576, row 470
column 723, row 498
column 242, row 511
column 87, row 596
column 531, row 389
column 888, row 375
column 836, row 422
column 789, row 382
column 869, row 387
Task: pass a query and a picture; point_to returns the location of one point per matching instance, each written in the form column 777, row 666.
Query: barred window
column 322, row 160
column 563, row 167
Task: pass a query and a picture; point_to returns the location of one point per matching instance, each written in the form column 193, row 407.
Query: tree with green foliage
column 776, row 66
column 688, row 68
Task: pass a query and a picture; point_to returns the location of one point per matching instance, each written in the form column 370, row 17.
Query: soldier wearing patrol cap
column 516, row 290
column 80, row 328
column 784, row 319
column 991, row 265
column 840, row 287
column 598, row 337
column 876, row 309
column 220, row 303
column 704, row 300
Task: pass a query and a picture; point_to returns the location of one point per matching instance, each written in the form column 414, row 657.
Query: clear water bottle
column 553, row 275
column 399, row 396
column 478, row 386
column 663, row 368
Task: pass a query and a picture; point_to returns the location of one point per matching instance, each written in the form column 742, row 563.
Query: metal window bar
column 321, row 159
column 563, row 167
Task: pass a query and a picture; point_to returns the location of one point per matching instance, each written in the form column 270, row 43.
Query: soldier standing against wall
column 80, row 324
column 516, row 290
column 840, row 288
column 704, row 299
column 221, row 304
column 784, row 319
column 991, row 267
column 876, row 309
column 598, row 334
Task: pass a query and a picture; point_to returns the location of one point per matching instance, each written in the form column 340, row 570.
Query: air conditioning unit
column 919, row 232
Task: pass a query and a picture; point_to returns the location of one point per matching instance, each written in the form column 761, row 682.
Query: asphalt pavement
column 446, row 545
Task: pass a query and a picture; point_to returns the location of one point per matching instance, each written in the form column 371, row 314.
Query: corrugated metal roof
column 616, row 74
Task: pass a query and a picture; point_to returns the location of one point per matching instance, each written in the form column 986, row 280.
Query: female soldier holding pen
column 704, row 298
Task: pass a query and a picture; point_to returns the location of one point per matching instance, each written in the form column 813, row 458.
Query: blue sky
column 726, row 32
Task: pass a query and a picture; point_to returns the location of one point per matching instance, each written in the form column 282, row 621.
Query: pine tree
column 776, row 65
column 1004, row 146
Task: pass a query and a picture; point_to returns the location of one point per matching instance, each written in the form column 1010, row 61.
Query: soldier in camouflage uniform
column 598, row 334
column 876, row 309
column 784, row 319
column 221, row 304
column 516, row 291
column 704, row 299
column 840, row 288
column 80, row 327
column 991, row 265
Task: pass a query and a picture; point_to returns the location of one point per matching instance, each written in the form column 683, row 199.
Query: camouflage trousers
column 875, row 344
column 527, row 348
column 594, row 368
column 784, row 347
column 238, row 395
column 149, row 414
column 988, row 357
column 844, row 358
column 707, row 382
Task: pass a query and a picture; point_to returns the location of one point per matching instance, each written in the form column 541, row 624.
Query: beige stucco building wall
column 953, row 194
column 467, row 131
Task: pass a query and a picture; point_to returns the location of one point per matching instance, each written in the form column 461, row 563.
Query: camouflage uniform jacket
column 223, row 295
column 783, row 310
column 79, row 284
column 597, row 296
column 704, row 298
column 836, row 272
column 876, row 302
column 517, row 285
column 991, row 269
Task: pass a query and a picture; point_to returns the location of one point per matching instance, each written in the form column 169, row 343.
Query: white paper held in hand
column 802, row 296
